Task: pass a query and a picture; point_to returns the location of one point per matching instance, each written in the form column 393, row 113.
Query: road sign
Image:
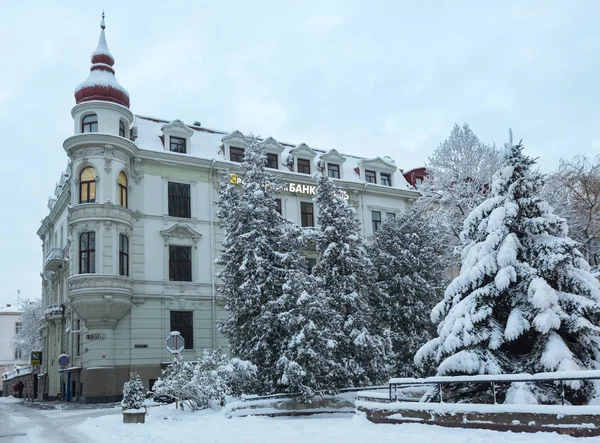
column 175, row 342
column 36, row 358
column 63, row 360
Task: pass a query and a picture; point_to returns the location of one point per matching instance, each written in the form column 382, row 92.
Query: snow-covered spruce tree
column 260, row 257
column 407, row 254
column 458, row 177
column 524, row 300
column 29, row 337
column 333, row 345
column 133, row 392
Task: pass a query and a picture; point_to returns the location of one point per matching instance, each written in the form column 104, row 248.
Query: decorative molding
column 84, row 153
column 137, row 172
column 107, row 225
column 303, row 151
column 181, row 230
column 177, row 126
column 102, row 282
column 385, row 164
column 271, row 146
column 138, row 301
column 100, row 211
column 333, row 156
column 236, row 137
column 108, row 156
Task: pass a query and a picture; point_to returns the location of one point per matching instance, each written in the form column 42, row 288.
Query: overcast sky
column 367, row 78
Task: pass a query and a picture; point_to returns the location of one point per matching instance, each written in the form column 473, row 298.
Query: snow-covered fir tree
column 261, row 266
column 333, row 345
column 407, row 254
column 32, row 321
column 458, row 177
column 133, row 392
column 525, row 300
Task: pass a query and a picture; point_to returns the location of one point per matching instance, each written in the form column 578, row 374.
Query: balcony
column 55, row 258
column 100, row 300
column 54, row 311
column 100, row 211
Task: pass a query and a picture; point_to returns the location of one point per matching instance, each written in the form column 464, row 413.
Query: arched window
column 87, row 253
column 87, row 185
column 89, row 123
column 121, row 128
column 123, row 189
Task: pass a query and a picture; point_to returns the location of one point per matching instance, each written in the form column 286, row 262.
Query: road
column 46, row 422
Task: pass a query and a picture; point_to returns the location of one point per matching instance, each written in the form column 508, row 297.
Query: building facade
column 10, row 324
column 131, row 237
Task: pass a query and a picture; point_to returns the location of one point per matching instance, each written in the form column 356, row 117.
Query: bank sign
column 296, row 188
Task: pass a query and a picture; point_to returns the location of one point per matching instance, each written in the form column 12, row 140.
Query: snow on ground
column 165, row 424
column 77, row 423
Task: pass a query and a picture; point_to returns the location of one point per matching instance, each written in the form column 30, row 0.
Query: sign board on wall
column 297, row 188
column 36, row 358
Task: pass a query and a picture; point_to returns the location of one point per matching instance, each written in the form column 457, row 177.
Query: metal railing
column 395, row 384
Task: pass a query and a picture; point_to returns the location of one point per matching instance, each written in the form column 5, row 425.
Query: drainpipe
column 213, row 246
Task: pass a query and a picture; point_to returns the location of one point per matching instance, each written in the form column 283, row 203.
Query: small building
column 10, row 324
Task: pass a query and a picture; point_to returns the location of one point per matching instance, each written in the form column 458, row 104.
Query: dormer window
column 386, row 179
column 177, row 144
column 176, row 136
column 121, row 128
column 236, row 154
column 333, row 170
column 370, row 176
column 272, row 161
column 303, row 166
column 89, row 123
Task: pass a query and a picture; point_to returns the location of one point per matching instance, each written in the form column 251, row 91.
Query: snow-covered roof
column 207, row 144
column 10, row 310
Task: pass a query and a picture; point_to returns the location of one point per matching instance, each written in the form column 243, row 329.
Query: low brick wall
column 28, row 382
column 278, row 407
column 582, row 422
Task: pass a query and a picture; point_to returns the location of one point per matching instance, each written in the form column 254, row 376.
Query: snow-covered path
column 166, row 424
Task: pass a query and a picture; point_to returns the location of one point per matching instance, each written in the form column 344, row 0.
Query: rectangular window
column 418, row 182
column 179, row 200
column 278, row 206
column 18, row 327
column 177, row 144
column 183, row 321
column 87, row 253
column 18, row 354
column 87, row 191
column 390, row 215
column 303, row 166
column 376, row 219
column 370, row 176
column 236, row 155
column 78, row 339
column 123, row 255
column 307, row 216
column 333, row 171
column 386, row 179
column 272, row 161
column 180, row 263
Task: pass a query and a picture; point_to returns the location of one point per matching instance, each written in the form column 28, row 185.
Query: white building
column 10, row 324
column 131, row 238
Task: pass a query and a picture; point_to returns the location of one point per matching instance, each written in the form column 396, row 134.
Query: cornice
column 334, row 155
column 379, row 164
column 236, row 137
column 97, row 140
column 271, row 145
column 180, row 230
column 100, row 104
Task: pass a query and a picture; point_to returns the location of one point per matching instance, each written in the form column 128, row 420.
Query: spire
column 101, row 84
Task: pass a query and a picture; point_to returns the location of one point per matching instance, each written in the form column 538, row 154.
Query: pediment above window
column 384, row 164
column 304, row 151
column 236, row 138
column 272, row 146
column 332, row 156
column 177, row 128
column 180, row 231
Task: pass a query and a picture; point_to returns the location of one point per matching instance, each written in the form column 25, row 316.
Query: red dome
column 102, row 84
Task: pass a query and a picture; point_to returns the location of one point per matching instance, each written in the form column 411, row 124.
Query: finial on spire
column 102, row 25
column 510, row 137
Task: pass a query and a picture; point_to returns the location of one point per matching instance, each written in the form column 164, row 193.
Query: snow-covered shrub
column 202, row 383
column 134, row 392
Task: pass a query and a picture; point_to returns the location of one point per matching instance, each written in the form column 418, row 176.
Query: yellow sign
column 36, row 358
